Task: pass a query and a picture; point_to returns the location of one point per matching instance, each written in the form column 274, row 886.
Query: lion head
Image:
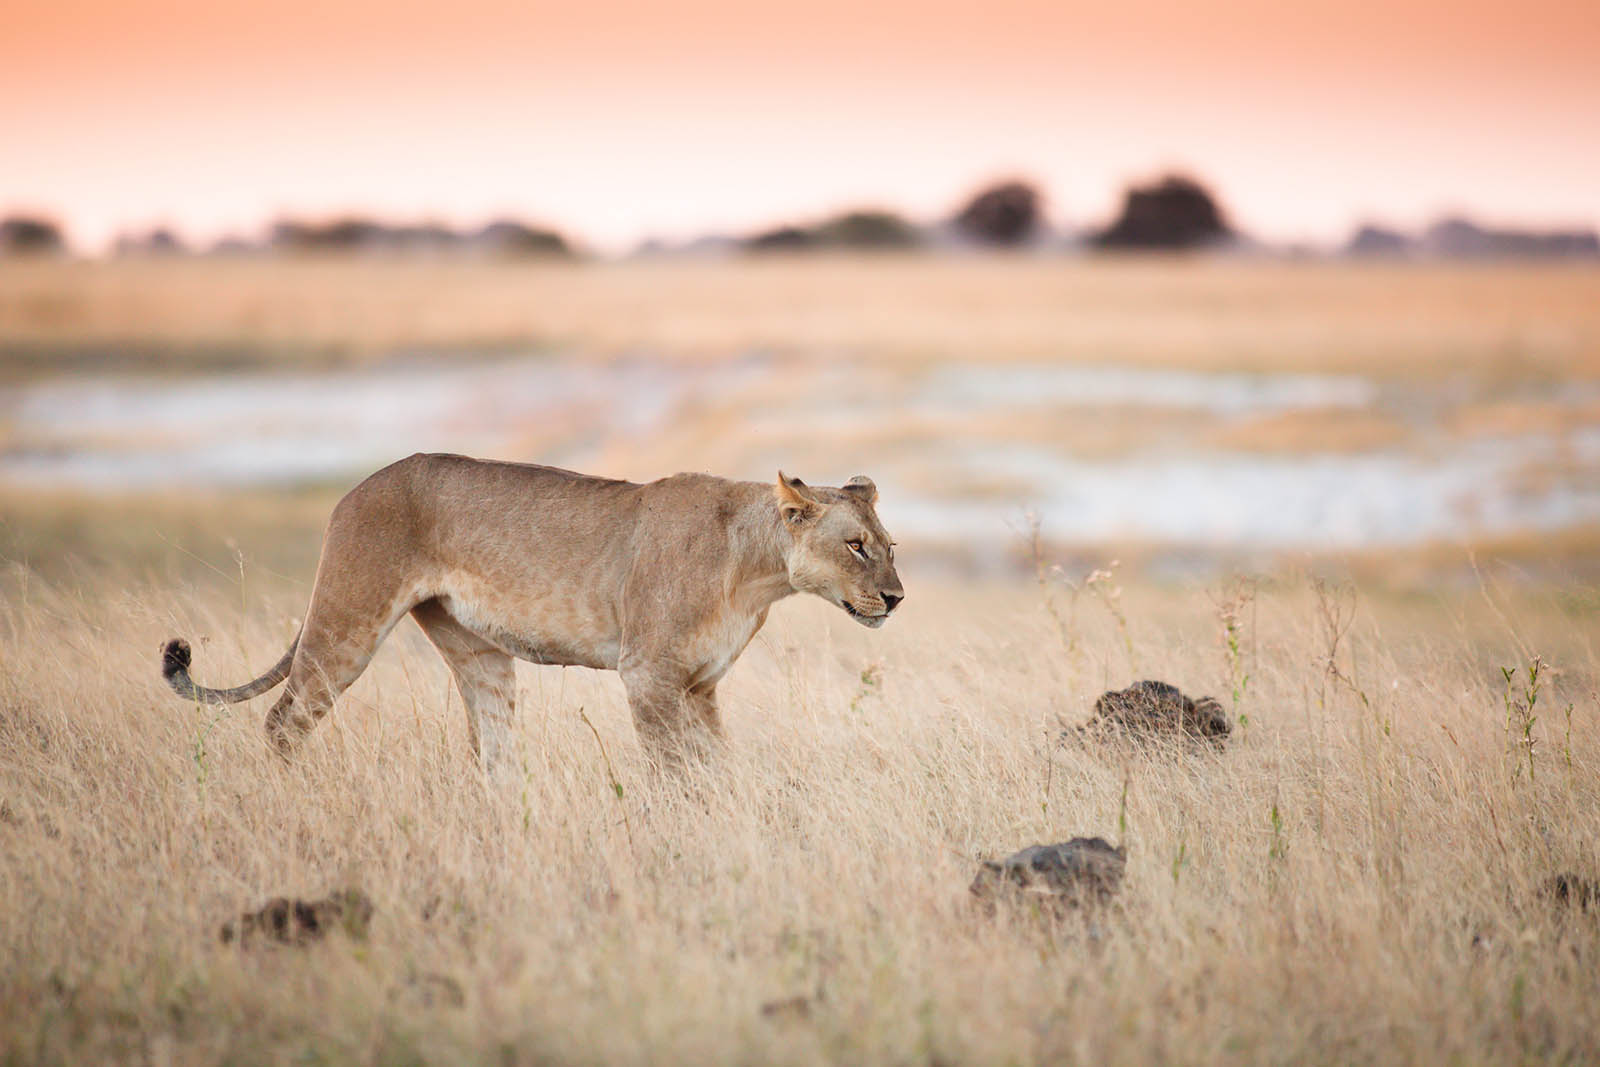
column 839, row 550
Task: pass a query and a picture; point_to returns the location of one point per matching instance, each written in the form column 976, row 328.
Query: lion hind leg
column 335, row 647
column 318, row 677
column 485, row 676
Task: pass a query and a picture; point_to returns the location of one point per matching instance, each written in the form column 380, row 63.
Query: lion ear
column 796, row 502
column 863, row 487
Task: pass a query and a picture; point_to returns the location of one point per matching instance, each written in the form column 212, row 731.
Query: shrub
column 1003, row 214
column 1174, row 213
column 30, row 235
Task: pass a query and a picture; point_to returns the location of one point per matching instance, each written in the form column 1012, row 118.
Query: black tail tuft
column 174, row 658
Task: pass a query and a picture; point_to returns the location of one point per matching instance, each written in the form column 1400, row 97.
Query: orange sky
column 617, row 121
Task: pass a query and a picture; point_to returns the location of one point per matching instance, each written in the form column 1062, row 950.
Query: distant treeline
column 351, row 234
column 1457, row 238
column 1173, row 213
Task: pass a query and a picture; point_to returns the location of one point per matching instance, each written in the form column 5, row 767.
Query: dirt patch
column 1149, row 710
column 789, row 1009
column 1083, row 872
column 299, row 922
column 1571, row 890
column 430, row 989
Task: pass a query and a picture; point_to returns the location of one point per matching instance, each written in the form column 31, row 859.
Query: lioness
column 665, row 583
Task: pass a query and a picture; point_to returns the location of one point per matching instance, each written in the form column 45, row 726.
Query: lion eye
column 855, row 546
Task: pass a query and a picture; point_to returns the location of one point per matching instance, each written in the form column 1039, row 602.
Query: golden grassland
column 1355, row 878
column 1497, row 323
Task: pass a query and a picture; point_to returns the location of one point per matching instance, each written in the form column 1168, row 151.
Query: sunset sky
column 616, row 122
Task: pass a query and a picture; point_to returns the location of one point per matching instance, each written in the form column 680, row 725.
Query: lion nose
column 891, row 601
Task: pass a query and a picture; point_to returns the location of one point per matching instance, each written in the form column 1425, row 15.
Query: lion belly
column 542, row 630
column 552, row 650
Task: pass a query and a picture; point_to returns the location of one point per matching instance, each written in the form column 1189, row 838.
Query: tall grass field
column 1389, row 861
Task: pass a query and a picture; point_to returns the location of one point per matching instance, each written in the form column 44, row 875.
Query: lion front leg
column 665, row 716
column 703, row 705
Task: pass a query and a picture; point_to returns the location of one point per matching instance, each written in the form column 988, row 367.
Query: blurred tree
column 1003, row 214
column 1176, row 212
column 512, row 238
column 1457, row 238
column 1378, row 241
column 781, row 239
column 503, row 236
column 234, row 245
column 157, row 242
column 418, row 237
column 851, row 229
column 346, row 234
column 868, row 229
column 24, row 235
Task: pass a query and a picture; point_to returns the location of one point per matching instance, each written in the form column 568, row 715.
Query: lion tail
column 175, row 669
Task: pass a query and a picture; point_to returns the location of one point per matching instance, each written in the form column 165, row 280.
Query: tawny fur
column 665, row 583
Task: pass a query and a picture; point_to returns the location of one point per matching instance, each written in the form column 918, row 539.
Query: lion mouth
column 871, row 621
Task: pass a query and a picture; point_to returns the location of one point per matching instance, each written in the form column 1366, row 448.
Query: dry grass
column 1353, row 880
column 1497, row 324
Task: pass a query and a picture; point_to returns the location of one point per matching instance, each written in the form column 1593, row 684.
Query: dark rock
column 1082, row 872
column 1151, row 709
column 299, row 922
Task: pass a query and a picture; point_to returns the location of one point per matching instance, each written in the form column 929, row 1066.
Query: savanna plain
column 1364, row 873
